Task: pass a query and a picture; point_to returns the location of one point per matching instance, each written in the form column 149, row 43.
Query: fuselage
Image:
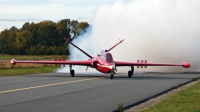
column 103, row 62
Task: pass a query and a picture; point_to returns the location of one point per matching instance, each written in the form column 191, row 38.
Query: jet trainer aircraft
column 103, row 62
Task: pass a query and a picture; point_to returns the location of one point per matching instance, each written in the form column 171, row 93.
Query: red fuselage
column 103, row 63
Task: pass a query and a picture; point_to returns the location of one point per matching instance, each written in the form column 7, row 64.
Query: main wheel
column 111, row 75
column 130, row 74
column 72, row 72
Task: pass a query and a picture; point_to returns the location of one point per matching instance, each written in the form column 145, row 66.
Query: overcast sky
column 17, row 12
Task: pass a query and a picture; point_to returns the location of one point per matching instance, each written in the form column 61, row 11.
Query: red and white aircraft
column 103, row 62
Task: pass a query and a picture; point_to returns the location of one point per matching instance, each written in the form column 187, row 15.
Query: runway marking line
column 47, row 85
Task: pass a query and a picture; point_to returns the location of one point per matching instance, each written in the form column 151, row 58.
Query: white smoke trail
column 166, row 31
column 85, row 44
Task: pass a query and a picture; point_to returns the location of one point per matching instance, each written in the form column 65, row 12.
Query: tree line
column 43, row 38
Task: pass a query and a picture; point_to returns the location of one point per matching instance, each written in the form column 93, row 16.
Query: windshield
column 109, row 58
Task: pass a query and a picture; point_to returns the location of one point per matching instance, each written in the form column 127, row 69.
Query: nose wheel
column 113, row 72
column 111, row 75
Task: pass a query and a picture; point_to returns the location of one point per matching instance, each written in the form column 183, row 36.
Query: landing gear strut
column 72, row 72
column 130, row 72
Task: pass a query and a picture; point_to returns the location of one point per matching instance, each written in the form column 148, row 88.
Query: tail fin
column 78, row 48
column 114, row 46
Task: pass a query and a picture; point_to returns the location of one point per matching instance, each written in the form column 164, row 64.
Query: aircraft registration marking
column 48, row 85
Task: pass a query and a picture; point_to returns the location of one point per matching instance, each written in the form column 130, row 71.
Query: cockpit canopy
column 106, row 56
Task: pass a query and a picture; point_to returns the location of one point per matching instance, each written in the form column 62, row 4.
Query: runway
column 60, row 92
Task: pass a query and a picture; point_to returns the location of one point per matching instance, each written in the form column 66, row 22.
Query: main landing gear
column 72, row 72
column 130, row 72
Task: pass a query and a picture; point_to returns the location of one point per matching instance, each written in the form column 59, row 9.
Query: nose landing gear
column 113, row 72
column 111, row 75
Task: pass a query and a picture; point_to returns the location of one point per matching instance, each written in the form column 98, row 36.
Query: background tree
column 43, row 38
column 22, row 42
column 81, row 27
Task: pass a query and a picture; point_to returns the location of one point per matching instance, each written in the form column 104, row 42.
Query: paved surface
column 84, row 93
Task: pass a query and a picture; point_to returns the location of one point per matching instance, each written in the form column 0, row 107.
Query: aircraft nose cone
column 186, row 65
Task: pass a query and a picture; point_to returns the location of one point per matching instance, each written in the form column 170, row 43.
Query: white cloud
column 18, row 20
column 47, row 10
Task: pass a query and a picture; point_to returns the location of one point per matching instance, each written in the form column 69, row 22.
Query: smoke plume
column 160, row 31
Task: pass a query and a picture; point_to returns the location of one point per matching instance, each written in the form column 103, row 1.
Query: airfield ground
column 183, row 98
column 86, row 92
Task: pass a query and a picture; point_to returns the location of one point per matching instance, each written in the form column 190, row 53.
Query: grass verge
column 22, row 71
column 187, row 100
column 32, row 57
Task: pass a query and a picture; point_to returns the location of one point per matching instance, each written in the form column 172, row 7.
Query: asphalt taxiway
column 60, row 92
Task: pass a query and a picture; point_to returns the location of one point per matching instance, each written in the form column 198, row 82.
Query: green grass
column 32, row 57
column 22, row 71
column 187, row 100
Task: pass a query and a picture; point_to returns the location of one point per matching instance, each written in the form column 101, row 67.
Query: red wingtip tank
column 186, row 65
column 13, row 61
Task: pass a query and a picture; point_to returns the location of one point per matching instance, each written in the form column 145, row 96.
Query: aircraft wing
column 119, row 63
column 83, row 63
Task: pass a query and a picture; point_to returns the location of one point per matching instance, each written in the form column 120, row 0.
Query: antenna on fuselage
column 114, row 45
